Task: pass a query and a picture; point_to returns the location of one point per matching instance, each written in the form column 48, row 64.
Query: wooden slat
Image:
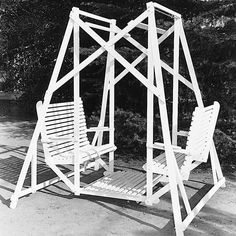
column 61, row 104
column 56, row 111
column 67, row 129
column 60, row 116
column 127, row 183
column 60, row 124
column 63, row 120
column 69, row 158
column 160, row 162
column 131, row 185
column 64, row 146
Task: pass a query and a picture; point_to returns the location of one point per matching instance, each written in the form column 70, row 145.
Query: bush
column 130, row 132
column 225, row 146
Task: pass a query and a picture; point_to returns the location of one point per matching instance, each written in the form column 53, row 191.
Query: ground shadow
column 11, row 162
column 209, row 221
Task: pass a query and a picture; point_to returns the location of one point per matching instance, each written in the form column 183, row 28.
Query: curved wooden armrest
column 94, row 129
column 175, row 148
column 182, row 133
column 161, row 146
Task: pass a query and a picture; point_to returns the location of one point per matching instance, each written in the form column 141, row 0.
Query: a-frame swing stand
column 125, row 184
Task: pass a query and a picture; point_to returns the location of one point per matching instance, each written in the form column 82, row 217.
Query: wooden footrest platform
column 130, row 185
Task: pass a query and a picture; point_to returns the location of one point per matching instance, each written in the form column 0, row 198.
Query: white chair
column 57, row 135
column 199, row 140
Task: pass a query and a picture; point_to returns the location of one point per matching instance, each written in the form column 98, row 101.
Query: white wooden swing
column 64, row 133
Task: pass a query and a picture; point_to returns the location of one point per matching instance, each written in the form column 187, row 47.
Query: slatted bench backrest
column 59, row 121
column 201, row 131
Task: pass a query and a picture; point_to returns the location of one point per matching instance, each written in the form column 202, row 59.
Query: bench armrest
column 161, row 146
column 182, row 133
column 94, row 129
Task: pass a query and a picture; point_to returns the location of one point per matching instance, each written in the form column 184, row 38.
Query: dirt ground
column 55, row 211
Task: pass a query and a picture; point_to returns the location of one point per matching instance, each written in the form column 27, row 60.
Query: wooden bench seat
column 199, row 140
column 58, row 135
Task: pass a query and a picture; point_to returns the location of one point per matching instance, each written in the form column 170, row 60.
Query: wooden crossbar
column 145, row 27
column 90, row 15
column 123, row 61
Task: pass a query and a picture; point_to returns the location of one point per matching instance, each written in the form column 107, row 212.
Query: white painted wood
column 175, row 83
column 126, row 71
column 60, row 141
column 62, row 176
column 198, row 144
column 165, row 9
column 81, row 66
column 34, row 169
column 166, row 34
column 123, row 61
column 96, row 26
column 112, row 101
column 78, row 114
column 150, row 114
column 200, row 136
column 180, row 77
column 171, row 163
column 145, row 27
column 90, row 15
column 202, row 202
column 215, row 158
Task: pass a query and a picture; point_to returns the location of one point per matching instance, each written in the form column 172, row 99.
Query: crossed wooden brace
column 107, row 46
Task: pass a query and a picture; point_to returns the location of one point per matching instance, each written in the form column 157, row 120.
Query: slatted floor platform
column 129, row 185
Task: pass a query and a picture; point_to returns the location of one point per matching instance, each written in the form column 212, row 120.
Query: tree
column 31, row 33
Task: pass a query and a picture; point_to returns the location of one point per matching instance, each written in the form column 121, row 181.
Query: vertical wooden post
column 175, row 82
column 150, row 112
column 170, row 158
column 108, row 84
column 107, row 81
column 34, row 169
column 76, row 60
column 112, row 99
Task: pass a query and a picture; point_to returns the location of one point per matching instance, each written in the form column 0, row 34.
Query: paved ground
column 54, row 211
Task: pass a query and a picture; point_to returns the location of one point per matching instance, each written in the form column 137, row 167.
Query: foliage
column 226, row 147
column 31, row 33
column 130, row 134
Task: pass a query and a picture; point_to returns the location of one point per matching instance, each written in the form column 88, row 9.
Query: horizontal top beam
column 163, row 9
column 90, row 15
